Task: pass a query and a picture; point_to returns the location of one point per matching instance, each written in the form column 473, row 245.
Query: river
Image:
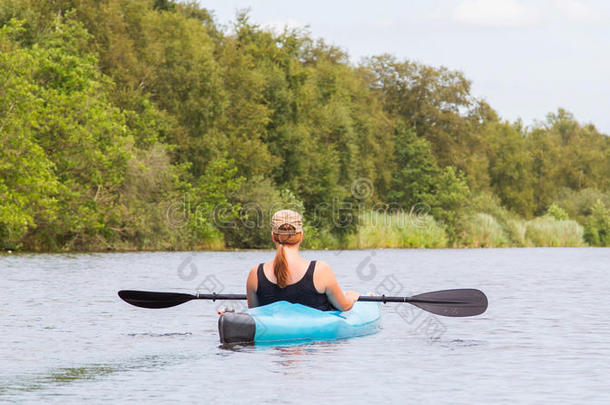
column 67, row 338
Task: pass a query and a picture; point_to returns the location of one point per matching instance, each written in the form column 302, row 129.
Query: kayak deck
column 286, row 322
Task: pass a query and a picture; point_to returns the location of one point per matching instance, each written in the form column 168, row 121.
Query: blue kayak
column 286, row 322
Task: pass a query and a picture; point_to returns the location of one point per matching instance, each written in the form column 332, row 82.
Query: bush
column 516, row 230
column 513, row 228
column 579, row 204
column 597, row 228
column 483, row 230
column 554, row 211
column 259, row 199
column 549, row 232
column 489, row 203
column 319, row 238
column 399, row 230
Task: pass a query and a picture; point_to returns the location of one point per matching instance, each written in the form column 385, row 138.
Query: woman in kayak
column 289, row 277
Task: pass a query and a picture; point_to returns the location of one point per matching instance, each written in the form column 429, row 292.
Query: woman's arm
column 251, row 287
column 325, row 278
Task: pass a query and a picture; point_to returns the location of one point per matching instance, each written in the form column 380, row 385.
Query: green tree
column 437, row 103
column 510, row 167
column 28, row 185
column 420, row 184
column 417, row 174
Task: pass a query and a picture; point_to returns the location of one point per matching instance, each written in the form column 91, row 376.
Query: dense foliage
column 143, row 124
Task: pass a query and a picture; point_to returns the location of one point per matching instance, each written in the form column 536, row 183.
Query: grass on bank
column 481, row 230
column 486, row 231
column 398, row 230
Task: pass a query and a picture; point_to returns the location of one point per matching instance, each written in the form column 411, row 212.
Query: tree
column 419, row 183
column 437, row 104
column 28, row 185
column 510, row 167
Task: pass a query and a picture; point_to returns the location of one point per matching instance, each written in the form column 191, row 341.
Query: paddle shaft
column 223, row 297
column 369, row 298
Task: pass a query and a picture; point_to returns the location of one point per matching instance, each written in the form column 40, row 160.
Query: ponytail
column 280, row 264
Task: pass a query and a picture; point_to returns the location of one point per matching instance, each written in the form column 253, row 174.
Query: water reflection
column 286, row 354
column 150, row 334
column 292, row 355
column 289, row 356
column 66, row 375
column 460, row 343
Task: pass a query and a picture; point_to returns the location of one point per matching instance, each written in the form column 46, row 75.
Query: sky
column 526, row 58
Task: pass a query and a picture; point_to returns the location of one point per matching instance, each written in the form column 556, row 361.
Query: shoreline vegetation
column 145, row 125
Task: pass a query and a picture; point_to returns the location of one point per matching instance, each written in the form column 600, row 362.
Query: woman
column 289, row 277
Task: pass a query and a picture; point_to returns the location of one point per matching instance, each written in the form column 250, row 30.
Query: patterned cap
column 287, row 217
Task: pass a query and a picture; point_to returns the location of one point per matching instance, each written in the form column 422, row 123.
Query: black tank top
column 302, row 292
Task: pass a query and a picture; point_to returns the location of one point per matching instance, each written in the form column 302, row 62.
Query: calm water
column 66, row 337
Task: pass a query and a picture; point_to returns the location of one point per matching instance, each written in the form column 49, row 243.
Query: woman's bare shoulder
column 323, row 269
column 252, row 281
column 322, row 265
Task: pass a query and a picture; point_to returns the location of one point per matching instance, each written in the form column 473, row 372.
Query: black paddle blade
column 151, row 299
column 455, row 303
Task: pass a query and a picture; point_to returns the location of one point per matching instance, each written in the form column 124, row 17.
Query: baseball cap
column 287, row 217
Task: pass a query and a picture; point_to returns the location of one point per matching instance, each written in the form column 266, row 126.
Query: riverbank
column 485, row 224
column 379, row 231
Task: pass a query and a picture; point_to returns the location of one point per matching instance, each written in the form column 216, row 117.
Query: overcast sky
column 526, row 58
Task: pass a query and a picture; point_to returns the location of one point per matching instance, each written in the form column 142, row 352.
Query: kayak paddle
column 454, row 303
